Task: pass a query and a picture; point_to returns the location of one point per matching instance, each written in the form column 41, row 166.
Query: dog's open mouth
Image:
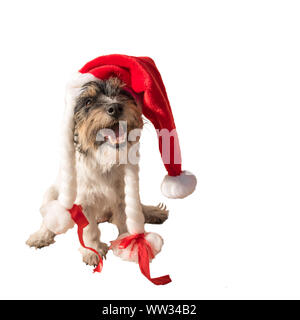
column 115, row 136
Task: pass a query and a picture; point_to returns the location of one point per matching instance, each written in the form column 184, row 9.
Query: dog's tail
column 155, row 214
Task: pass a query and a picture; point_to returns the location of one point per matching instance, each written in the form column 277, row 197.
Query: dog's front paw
column 39, row 240
column 91, row 258
column 103, row 249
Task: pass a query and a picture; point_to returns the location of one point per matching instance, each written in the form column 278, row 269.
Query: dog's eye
column 88, row 102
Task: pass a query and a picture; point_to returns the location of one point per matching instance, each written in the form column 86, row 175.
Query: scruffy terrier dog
column 105, row 116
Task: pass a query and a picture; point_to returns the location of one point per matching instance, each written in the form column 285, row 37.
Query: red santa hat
column 143, row 79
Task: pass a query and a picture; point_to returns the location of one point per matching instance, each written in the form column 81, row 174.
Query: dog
column 107, row 119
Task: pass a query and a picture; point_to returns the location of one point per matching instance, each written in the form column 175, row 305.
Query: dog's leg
column 155, row 214
column 42, row 238
column 121, row 225
column 119, row 217
column 91, row 238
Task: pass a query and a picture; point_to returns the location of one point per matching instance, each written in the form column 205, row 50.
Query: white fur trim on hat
column 128, row 254
column 179, row 186
column 56, row 218
column 56, row 215
column 67, row 171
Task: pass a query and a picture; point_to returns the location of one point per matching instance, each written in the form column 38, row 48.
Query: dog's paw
column 155, row 214
column 39, row 240
column 91, row 258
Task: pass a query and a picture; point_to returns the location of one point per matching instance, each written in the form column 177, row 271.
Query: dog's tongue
column 116, row 135
column 117, row 131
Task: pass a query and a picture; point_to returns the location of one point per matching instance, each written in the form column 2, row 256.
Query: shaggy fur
column 100, row 171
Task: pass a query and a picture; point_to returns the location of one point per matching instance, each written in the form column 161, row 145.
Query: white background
column 232, row 72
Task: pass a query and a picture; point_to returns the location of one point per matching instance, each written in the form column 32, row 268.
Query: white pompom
column 179, row 186
column 56, row 218
column 131, row 252
column 156, row 242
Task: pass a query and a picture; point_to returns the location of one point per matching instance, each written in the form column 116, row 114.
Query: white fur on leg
column 56, row 218
column 179, row 186
column 131, row 252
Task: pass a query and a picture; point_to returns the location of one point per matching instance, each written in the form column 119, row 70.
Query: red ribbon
column 81, row 221
column 144, row 255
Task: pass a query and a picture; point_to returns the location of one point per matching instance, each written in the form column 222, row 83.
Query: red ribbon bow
column 81, row 221
column 144, row 255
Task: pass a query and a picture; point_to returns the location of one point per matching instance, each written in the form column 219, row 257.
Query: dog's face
column 105, row 113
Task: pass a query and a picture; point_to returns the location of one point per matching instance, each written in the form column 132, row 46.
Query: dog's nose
column 114, row 109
